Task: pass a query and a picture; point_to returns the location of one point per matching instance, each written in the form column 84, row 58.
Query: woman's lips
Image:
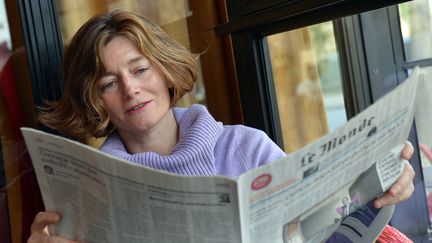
column 138, row 107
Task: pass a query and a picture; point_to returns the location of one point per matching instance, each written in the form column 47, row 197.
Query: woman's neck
column 160, row 139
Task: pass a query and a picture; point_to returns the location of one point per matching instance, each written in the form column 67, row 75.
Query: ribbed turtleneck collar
column 192, row 155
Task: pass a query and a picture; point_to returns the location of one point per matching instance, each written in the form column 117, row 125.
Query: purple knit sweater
column 205, row 147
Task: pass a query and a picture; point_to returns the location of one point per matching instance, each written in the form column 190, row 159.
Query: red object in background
column 426, row 151
column 30, row 194
column 392, row 235
column 9, row 92
column 429, row 202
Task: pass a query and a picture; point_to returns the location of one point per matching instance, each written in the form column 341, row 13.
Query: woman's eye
column 108, row 85
column 141, row 70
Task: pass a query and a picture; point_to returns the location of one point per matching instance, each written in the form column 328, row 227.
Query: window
column 307, row 83
column 416, row 29
column 19, row 193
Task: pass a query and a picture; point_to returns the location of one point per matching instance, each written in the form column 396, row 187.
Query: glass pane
column 5, row 38
column 424, row 131
column 307, row 83
column 416, row 27
column 171, row 15
column 19, row 194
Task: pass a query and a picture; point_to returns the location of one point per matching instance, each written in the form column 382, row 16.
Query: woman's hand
column 39, row 229
column 404, row 187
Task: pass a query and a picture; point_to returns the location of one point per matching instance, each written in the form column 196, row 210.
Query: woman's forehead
column 123, row 50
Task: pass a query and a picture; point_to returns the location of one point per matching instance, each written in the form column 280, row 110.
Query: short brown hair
column 79, row 112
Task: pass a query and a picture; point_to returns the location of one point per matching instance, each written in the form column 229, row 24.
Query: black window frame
column 252, row 20
column 42, row 36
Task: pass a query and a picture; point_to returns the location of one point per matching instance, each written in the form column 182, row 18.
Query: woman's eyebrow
column 136, row 59
column 106, row 74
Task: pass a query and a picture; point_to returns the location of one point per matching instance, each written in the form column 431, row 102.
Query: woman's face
column 133, row 90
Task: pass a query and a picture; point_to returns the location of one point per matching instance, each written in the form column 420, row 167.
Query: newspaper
column 304, row 197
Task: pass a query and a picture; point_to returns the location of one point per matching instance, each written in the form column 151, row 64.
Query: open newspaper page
column 309, row 194
column 325, row 187
column 104, row 199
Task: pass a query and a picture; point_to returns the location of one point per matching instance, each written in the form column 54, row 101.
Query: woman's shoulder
column 246, row 145
column 243, row 132
column 250, row 141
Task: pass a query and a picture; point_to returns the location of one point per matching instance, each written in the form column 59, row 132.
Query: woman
column 123, row 75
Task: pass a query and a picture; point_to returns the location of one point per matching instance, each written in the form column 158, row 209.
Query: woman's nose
column 130, row 87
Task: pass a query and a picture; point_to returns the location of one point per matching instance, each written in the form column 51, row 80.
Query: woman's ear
column 169, row 84
column 101, row 102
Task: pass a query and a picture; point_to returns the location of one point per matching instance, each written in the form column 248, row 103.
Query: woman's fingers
column 43, row 219
column 407, row 151
column 39, row 229
column 401, row 190
column 37, row 238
